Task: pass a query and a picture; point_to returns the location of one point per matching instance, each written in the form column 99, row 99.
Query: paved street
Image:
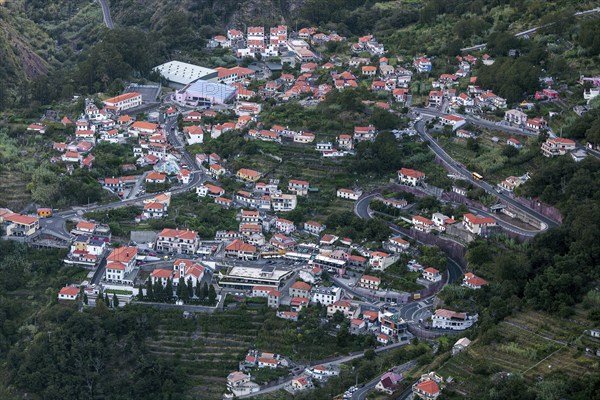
column 460, row 169
column 362, row 393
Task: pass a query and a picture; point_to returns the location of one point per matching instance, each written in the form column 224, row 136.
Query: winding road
column 106, row 14
column 532, row 30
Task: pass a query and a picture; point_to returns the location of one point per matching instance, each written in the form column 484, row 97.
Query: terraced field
column 14, row 190
column 207, row 349
column 531, row 343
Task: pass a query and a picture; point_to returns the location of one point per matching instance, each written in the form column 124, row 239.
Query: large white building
column 177, row 241
column 248, row 277
column 184, row 73
column 447, row 319
column 326, row 295
column 124, row 101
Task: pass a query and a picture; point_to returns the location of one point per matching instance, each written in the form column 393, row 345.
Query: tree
column 180, row 288
column 204, row 292
column 115, row 301
column 85, row 299
column 190, row 288
column 198, row 290
column 106, row 299
column 169, row 289
column 212, row 294
column 141, row 292
column 149, row 290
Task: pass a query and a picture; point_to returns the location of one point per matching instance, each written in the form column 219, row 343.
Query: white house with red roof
column 184, row 175
column 241, row 250
column 380, row 260
column 427, row 388
column 154, row 211
column 400, row 95
column 514, row 143
column 314, row 227
column 177, row 241
column 447, row 319
column 397, row 244
column 435, row 98
column 432, row 275
column 422, row 224
column 477, row 225
column 557, row 146
column 119, row 264
column 369, row 282
column 68, row 293
column 472, row 281
column 298, row 187
column 19, row 225
column 285, row 226
column 411, row 177
column 364, row 133
column 300, row 289
column 454, row 121
column 124, row 101
column 349, row 194
column 536, row 124
column 345, row 142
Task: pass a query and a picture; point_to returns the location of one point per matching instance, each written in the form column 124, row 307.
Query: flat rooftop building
column 184, row 73
column 201, row 93
column 247, row 277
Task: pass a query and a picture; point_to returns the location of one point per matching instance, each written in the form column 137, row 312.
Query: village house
column 516, row 117
column 325, row 295
column 18, row 225
column 241, row 250
column 314, row 228
column 239, row 384
column 177, row 241
column 389, row 382
column 446, row 319
column 422, row 224
column 536, row 124
column 120, row 263
column 300, row 289
column 345, row 307
column 154, row 211
column 427, row 388
column 124, row 101
column 301, row 383
column 283, row 202
column 68, row 293
column 248, row 175
column 453, row 121
column 435, row 98
column 399, row 204
column 472, row 281
column 557, row 146
column 432, row 275
column 397, row 244
column 282, row 242
column 209, row 190
column 285, row 226
column 299, row 188
column 514, row 143
column 379, row 260
column 349, row 194
column 460, row 346
column 155, row 177
column 411, row 177
column 364, row 133
column 369, row 282
column 478, row 225
column 274, row 299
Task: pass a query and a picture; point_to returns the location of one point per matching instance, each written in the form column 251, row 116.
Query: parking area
column 149, row 92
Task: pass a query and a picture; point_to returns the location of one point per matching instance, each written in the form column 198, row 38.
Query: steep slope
column 23, row 51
